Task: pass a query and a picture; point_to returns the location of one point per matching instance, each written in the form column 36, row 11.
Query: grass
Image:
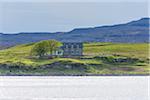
column 137, row 50
column 92, row 62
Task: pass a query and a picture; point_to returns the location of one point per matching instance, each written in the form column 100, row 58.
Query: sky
column 62, row 16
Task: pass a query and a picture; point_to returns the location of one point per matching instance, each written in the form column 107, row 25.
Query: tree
column 53, row 45
column 43, row 48
column 40, row 49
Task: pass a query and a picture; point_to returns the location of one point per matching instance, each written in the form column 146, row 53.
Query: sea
column 74, row 88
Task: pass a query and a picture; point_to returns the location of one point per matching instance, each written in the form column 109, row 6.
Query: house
column 70, row 49
column 59, row 51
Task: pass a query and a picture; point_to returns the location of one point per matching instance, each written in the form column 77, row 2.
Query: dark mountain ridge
column 132, row 32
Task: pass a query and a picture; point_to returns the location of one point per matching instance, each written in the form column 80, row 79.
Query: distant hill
column 132, row 32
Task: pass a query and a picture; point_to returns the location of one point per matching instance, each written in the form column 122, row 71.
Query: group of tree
column 46, row 47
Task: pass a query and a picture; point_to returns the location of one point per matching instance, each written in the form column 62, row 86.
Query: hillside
column 132, row 32
column 98, row 59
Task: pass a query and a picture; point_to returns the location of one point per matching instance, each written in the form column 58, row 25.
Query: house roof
column 72, row 43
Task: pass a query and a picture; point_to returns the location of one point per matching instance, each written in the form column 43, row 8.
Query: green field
column 98, row 59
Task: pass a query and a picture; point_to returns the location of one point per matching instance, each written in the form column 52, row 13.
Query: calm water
column 74, row 88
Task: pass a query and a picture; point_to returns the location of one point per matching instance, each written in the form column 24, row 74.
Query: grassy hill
column 98, row 59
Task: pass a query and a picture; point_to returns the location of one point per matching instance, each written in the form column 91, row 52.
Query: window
column 75, row 46
column 59, row 52
column 80, row 45
column 72, row 51
column 69, row 46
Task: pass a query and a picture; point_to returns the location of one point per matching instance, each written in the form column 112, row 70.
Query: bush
column 117, row 60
